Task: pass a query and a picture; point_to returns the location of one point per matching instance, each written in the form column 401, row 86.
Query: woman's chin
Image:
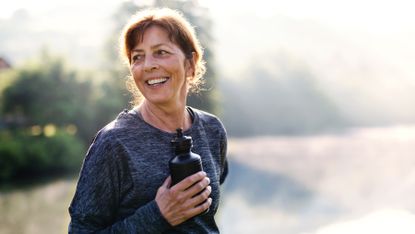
column 161, row 99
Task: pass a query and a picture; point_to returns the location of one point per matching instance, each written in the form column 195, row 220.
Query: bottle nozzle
column 181, row 143
column 179, row 133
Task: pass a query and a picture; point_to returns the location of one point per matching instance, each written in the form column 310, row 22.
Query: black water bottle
column 185, row 162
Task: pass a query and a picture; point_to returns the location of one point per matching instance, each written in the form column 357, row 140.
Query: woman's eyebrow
column 151, row 47
column 136, row 50
column 159, row 45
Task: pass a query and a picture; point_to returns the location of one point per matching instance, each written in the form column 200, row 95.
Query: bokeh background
column 317, row 98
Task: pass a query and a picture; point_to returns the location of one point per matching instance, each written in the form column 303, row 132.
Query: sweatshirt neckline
column 137, row 115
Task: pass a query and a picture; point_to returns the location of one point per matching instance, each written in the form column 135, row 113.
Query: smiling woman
column 169, row 43
column 125, row 184
column 160, row 69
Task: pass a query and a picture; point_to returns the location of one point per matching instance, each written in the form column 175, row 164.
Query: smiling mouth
column 157, row 81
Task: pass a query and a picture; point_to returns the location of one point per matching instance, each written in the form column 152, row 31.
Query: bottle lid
column 181, row 143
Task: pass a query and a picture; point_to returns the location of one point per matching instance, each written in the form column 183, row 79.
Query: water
column 362, row 181
column 39, row 208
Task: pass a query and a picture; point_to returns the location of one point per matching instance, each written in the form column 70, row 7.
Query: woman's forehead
column 155, row 36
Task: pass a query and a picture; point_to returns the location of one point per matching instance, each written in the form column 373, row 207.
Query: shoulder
column 114, row 132
column 121, row 125
column 209, row 121
column 206, row 117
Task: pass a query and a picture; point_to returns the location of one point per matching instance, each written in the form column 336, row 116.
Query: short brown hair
column 180, row 32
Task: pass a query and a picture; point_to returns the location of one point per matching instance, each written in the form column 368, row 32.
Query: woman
column 125, row 184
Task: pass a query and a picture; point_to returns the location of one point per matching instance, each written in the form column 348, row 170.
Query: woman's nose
column 150, row 64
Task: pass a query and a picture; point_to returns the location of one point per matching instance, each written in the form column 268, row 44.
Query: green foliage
column 23, row 155
column 6, row 78
column 47, row 92
column 48, row 116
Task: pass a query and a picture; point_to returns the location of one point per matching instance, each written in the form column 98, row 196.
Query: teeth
column 156, row 81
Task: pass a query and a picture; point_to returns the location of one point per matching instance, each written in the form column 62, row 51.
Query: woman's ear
column 191, row 66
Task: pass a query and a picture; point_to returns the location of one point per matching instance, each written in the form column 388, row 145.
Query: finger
column 189, row 181
column 200, row 208
column 198, row 187
column 200, row 198
column 167, row 182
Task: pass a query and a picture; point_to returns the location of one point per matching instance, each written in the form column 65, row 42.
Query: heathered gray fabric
column 126, row 164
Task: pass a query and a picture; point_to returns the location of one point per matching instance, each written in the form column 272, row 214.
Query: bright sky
column 42, row 6
column 391, row 20
column 351, row 11
column 378, row 15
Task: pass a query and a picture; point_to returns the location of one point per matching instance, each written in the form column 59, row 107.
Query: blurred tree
column 6, row 79
column 47, row 117
column 47, row 93
column 279, row 96
column 207, row 99
column 23, row 155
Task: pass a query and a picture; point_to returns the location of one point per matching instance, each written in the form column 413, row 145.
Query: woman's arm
column 223, row 156
column 103, row 179
column 96, row 201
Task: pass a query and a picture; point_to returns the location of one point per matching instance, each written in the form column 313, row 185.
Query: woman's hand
column 182, row 201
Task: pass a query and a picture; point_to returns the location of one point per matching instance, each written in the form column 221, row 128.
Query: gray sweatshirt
column 125, row 165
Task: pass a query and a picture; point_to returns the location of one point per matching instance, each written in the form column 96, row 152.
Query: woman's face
column 160, row 69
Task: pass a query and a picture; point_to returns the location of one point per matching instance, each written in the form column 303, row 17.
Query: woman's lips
column 156, row 81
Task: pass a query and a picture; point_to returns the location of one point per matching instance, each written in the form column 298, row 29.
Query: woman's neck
column 166, row 119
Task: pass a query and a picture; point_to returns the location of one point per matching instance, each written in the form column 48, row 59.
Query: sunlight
column 49, row 130
column 379, row 16
column 46, row 7
column 380, row 222
column 35, row 130
column 8, row 8
column 317, row 98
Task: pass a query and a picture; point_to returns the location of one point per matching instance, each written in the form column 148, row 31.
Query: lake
column 359, row 181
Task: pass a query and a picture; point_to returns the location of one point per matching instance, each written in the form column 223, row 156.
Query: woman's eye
column 137, row 57
column 161, row 52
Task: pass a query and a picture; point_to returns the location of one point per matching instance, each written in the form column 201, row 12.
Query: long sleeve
column 223, row 158
column 103, row 181
column 124, row 167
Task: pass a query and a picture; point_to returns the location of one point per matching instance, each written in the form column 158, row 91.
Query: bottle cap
column 181, row 143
